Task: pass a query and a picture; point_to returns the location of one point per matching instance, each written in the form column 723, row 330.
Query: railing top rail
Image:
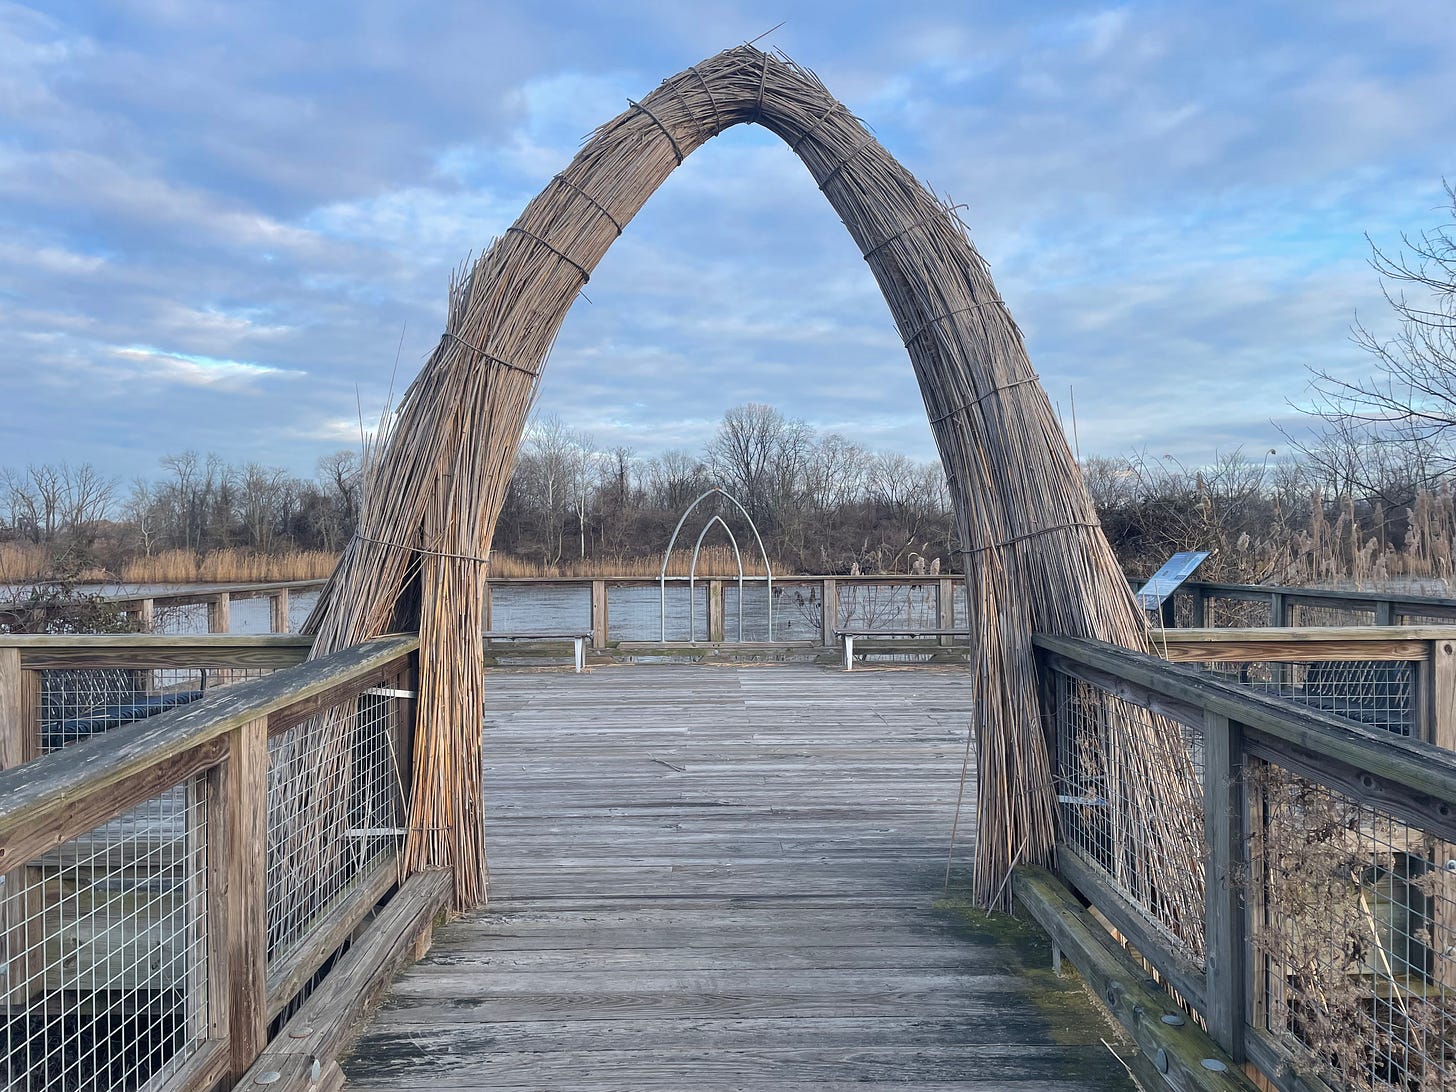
column 1341, row 595
column 792, row 578
column 110, row 641
column 1313, row 635
column 205, row 589
column 1413, row 764
column 63, row 778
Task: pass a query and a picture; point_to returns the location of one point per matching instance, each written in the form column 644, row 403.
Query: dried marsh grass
column 713, row 561
column 228, row 567
column 1036, row 556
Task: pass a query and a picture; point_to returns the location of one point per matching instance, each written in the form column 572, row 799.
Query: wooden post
column 716, row 610
column 1198, row 614
column 218, row 613
column 16, row 715
column 599, row 613
column 1167, row 615
column 1225, row 930
column 407, row 681
column 485, row 607
column 278, row 611
column 22, row 950
column 829, row 611
column 146, row 614
column 1384, row 613
column 237, row 866
column 945, row 607
column 1443, row 734
column 1278, row 610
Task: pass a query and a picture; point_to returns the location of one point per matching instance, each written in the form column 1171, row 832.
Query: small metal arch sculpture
column 717, row 490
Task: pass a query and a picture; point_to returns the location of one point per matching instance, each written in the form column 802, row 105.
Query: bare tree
column 1410, row 402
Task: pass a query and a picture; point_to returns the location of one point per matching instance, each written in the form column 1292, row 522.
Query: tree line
column 1367, row 491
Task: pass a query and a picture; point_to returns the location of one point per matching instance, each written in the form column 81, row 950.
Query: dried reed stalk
column 1036, row 558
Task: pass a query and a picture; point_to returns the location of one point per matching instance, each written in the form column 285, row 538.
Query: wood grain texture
column 728, row 878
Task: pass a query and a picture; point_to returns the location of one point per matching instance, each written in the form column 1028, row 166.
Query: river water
column 635, row 612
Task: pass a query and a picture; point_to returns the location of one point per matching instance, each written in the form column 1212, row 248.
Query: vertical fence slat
column 278, row 611
column 716, row 611
column 599, row 613
column 14, row 715
column 218, row 613
column 1225, row 929
column 237, row 867
column 828, row 611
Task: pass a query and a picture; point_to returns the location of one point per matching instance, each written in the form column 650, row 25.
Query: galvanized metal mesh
column 1380, row 693
column 1307, row 614
column 1102, row 803
column 105, row 952
column 537, row 607
column 76, row 703
column 634, row 612
column 1353, row 926
column 889, row 606
column 335, row 813
column 1225, row 613
column 798, row 611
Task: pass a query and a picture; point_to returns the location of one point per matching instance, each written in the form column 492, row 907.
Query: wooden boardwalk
column 729, row 878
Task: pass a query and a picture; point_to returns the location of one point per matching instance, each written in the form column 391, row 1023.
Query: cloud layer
column 220, row 223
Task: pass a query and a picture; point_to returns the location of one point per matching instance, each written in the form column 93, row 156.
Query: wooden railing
column 1329, row 935
column 1202, row 603
column 174, row 886
column 218, row 598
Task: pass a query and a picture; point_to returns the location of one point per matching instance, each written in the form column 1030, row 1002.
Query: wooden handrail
column 65, row 793
column 1422, row 769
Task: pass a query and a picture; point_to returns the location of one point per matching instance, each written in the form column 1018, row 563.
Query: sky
column 229, row 227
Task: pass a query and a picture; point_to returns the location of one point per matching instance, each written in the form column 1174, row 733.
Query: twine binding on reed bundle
column 440, row 474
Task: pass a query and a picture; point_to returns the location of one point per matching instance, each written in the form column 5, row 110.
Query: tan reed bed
column 1037, row 558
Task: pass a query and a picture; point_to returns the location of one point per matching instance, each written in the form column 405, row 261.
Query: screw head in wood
column 1213, row 1065
column 268, row 1076
column 1172, row 1019
column 1161, row 1060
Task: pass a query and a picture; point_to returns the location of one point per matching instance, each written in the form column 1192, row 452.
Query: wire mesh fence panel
column 335, row 813
column 1380, row 693
column 888, row 606
column 179, row 619
column 798, row 610
column 1353, row 927
column 1102, row 800
column 635, row 612
column 105, row 952
column 526, row 607
column 76, row 703
column 1236, row 613
column 1441, row 619
column 1310, row 614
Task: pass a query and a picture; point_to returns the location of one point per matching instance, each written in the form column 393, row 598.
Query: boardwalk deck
column 729, row 878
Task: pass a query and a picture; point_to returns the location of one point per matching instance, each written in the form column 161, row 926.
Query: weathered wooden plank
column 326, row 936
column 1293, row 651
column 1179, row 1051
column 706, row 877
column 237, row 866
column 1184, row 976
column 1225, row 877
column 320, row 1028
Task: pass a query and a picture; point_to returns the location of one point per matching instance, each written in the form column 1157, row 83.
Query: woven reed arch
column 1034, row 556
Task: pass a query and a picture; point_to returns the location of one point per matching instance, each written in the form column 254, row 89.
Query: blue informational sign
column 1165, row 581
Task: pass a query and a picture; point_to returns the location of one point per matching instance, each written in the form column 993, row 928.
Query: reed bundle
column 1036, row 557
